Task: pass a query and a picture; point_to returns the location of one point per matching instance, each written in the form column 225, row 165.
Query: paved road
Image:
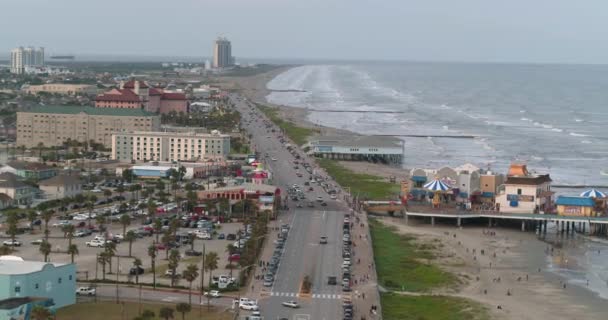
column 303, row 255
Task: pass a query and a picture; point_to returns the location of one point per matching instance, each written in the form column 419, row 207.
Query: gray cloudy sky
column 455, row 30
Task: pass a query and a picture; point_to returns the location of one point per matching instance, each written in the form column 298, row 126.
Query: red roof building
column 137, row 94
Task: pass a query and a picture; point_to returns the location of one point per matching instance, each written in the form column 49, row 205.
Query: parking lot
column 86, row 259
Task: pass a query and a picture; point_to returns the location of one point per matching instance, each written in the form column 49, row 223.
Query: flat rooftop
column 118, row 112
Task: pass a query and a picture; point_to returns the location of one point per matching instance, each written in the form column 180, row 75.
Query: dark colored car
column 231, row 236
column 221, row 236
column 136, row 271
column 332, row 281
column 193, row 253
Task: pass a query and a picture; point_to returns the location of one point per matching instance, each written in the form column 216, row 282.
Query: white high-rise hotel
column 222, row 53
column 23, row 57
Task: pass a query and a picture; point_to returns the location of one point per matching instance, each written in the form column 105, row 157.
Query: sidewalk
column 365, row 291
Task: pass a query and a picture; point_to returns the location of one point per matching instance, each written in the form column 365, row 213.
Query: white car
column 86, row 291
column 12, row 243
column 291, row 304
column 95, row 243
column 249, row 305
column 213, row 293
column 37, row 241
column 203, row 235
column 61, row 223
column 333, row 196
column 273, row 159
column 81, row 217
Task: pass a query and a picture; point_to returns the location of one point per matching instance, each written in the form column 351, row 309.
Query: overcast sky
column 453, row 30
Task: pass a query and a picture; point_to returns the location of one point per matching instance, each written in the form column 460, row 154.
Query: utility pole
column 117, row 272
column 200, row 309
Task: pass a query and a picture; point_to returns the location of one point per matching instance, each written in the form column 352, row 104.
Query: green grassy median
column 404, row 265
column 365, row 185
column 299, row 135
column 402, row 307
column 128, row 310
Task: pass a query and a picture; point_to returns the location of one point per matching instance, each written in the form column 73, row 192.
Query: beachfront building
column 169, row 146
column 222, row 53
column 361, row 148
column 576, row 206
column 137, row 94
column 51, row 126
column 27, row 283
column 488, row 184
column 524, row 192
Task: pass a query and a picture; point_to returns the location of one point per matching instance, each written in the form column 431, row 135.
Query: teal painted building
column 51, row 284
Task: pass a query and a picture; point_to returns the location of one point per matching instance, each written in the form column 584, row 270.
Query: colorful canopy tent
column 593, row 193
column 436, row 186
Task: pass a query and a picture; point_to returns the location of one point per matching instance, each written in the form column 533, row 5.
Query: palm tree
column 137, row 265
column 107, row 193
column 166, row 240
column 211, row 261
column 166, row 313
column 31, row 217
column 190, row 274
column 45, row 249
column 90, row 207
column 173, row 263
column 192, row 238
column 40, row 313
column 130, row 237
column 134, row 191
column 72, row 250
column 103, row 258
column 152, row 255
column 101, row 221
column 110, row 250
column 183, row 308
column 40, row 146
column 47, row 215
column 158, row 226
column 68, row 231
column 125, row 220
column 12, row 220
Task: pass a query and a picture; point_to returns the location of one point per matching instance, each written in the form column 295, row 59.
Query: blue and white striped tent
column 436, row 185
column 592, row 193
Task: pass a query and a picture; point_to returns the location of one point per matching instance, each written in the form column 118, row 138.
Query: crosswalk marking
column 326, row 296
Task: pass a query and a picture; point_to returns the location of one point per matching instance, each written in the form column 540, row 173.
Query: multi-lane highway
column 303, row 254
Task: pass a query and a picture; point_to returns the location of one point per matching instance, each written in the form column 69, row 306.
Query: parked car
column 37, row 241
column 12, row 243
column 136, row 271
column 193, row 253
column 86, row 291
column 95, row 243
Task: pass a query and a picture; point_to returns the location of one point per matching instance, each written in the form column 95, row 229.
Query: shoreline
column 512, row 280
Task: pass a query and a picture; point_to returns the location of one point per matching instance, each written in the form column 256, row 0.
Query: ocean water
column 552, row 117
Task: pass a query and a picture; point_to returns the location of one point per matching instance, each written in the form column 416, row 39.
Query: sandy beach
column 507, row 273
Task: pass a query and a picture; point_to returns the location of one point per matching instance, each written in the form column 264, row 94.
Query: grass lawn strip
column 365, row 185
column 403, row 264
column 407, row 307
column 299, row 135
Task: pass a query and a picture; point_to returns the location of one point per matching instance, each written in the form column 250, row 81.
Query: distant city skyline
column 558, row 31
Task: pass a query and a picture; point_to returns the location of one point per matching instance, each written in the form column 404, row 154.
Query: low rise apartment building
column 62, row 88
column 53, row 125
column 169, row 146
